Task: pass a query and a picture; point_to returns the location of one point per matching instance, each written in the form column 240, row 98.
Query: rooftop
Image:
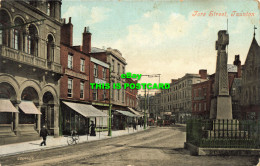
column 97, row 50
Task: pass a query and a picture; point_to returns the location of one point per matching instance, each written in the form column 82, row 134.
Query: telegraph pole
column 148, row 75
column 145, row 108
column 110, row 105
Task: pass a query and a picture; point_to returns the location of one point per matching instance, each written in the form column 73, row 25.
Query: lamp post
column 110, row 105
column 145, row 108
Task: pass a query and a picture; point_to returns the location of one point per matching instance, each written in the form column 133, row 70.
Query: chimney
column 237, row 62
column 86, row 43
column 67, row 33
column 203, row 73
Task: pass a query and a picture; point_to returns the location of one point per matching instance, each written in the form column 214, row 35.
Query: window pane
column 69, row 87
column 82, row 65
column 81, row 89
column 70, row 62
column 104, row 74
column 48, row 9
column 118, row 68
column 95, row 70
column 94, row 94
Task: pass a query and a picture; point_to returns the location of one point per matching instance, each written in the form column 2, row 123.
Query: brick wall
column 65, row 50
column 130, row 94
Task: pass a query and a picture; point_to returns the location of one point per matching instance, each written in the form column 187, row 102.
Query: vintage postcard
column 129, row 82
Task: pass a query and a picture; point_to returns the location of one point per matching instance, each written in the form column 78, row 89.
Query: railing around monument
column 223, row 133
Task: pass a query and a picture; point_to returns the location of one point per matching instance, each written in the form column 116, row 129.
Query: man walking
column 43, row 134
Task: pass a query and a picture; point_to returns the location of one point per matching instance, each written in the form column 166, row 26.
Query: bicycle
column 73, row 138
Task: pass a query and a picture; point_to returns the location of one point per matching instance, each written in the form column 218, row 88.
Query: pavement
column 31, row 146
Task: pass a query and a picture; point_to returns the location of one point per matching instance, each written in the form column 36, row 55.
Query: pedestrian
column 43, row 134
column 92, row 129
column 174, row 121
column 134, row 125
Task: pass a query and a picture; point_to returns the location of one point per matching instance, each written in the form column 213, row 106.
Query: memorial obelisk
column 221, row 105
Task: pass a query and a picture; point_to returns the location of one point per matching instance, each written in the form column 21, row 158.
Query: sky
column 163, row 37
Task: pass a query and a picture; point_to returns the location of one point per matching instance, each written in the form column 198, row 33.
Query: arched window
column 48, row 8
column 32, row 42
column 18, row 34
column 50, row 49
column 4, row 33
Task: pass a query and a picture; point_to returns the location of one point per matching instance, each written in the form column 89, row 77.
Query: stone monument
column 221, row 105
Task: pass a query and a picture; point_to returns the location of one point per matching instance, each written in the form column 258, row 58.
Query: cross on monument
column 221, row 106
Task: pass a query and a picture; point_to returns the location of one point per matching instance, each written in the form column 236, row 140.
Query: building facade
column 131, row 94
column 202, row 93
column 250, row 97
column 30, row 67
column 178, row 99
column 118, row 64
column 79, row 71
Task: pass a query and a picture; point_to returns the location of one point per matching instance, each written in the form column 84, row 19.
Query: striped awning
column 85, row 109
column 126, row 113
column 7, row 106
column 28, row 107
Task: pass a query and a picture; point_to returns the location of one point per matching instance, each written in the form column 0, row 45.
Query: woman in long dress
column 92, row 129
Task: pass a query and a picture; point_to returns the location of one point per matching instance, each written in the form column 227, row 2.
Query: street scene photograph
column 129, row 82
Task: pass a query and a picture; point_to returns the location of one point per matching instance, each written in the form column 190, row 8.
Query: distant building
column 178, row 99
column 250, row 97
column 201, row 97
column 202, row 93
column 131, row 94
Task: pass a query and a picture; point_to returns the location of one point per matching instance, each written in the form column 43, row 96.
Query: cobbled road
column 155, row 146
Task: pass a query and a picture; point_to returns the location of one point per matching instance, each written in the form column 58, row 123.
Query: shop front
column 122, row 119
column 78, row 116
column 7, row 111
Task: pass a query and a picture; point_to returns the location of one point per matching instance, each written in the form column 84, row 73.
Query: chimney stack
column 203, row 73
column 86, row 43
column 237, row 62
column 67, row 33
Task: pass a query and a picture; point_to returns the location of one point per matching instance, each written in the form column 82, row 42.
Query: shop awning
column 126, row 113
column 134, row 112
column 85, row 109
column 7, row 106
column 29, row 108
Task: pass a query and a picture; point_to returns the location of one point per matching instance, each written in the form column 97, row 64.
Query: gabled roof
column 254, row 49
